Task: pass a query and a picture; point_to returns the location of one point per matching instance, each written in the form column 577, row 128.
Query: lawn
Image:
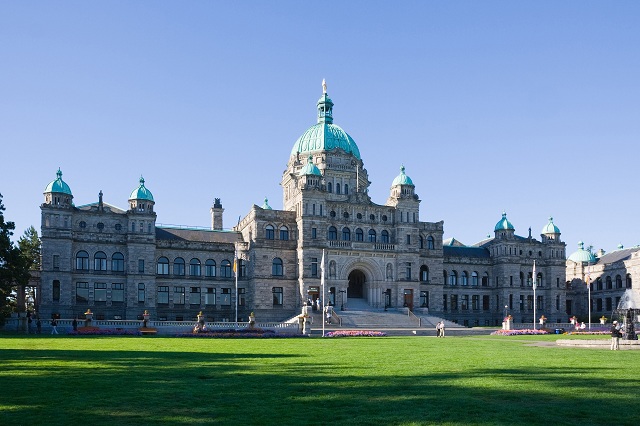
column 318, row 381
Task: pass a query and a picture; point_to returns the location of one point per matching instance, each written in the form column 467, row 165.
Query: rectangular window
column 454, row 302
column 117, row 292
column 178, row 295
column 521, row 302
column 314, row 233
column 241, row 296
column 225, row 297
column 529, row 302
column 100, row 292
column 82, row 292
column 277, row 296
column 141, row 295
column 608, row 303
column 408, row 239
column 486, row 303
column 444, row 302
column 314, row 266
column 408, row 271
column 141, row 266
column 464, row 302
column 475, row 302
column 540, row 303
column 210, row 296
column 56, row 261
column 56, row 291
column 194, row 296
column 163, row 295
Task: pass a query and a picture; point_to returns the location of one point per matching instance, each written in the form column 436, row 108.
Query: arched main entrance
column 356, row 284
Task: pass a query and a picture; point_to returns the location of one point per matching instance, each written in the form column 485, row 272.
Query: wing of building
column 120, row 263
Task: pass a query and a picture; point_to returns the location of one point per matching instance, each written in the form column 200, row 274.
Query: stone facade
column 119, row 262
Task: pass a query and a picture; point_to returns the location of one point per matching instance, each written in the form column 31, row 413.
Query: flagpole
column 235, row 268
column 322, row 314
column 589, row 288
column 533, row 275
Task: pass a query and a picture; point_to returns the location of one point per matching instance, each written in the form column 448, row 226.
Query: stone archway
column 356, row 284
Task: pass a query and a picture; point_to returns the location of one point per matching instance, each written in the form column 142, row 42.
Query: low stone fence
column 163, row 327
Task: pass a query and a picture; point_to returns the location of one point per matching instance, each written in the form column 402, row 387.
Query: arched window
column 346, row 189
column 618, row 281
column 424, row 274
column 332, row 233
column 194, row 268
column 421, row 242
column 162, row 267
column 485, row 279
column 276, row 267
column 372, row 235
column 346, row 234
column 539, row 279
column 359, row 235
column 431, row 243
column 225, row 269
column 210, row 268
column 178, row 266
column 465, row 278
column 609, row 283
column 599, row 283
column 337, row 188
column 444, row 273
column 329, row 187
column 453, row 278
column 521, row 279
column 284, row 233
column 117, row 262
column 384, row 236
column 628, row 280
column 269, row 232
column 82, row 261
column 474, row 278
column 100, row 261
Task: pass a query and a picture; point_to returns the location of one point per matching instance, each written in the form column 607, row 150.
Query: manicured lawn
column 392, row 380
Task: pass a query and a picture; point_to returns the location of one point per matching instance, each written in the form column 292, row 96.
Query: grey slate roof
column 198, row 235
column 465, row 251
column 616, row 256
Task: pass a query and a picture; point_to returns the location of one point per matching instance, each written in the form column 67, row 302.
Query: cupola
column 550, row 231
column 58, row 193
column 581, row 255
column 402, row 185
column 504, row 228
column 266, row 205
column 141, row 199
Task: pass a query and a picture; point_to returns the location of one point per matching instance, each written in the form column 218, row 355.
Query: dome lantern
column 58, row 192
column 141, row 199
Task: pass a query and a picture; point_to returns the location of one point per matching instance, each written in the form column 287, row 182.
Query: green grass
column 389, row 381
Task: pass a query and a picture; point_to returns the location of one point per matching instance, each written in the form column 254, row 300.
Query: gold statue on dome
column 324, row 86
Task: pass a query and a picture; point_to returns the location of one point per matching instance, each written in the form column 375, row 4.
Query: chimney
column 216, row 215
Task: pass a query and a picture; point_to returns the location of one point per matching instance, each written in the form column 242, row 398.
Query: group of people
column 440, row 329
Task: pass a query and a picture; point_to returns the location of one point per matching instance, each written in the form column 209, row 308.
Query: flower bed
column 355, row 333
column 593, row 332
column 526, row 331
column 92, row 331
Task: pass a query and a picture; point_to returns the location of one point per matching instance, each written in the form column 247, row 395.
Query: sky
column 528, row 107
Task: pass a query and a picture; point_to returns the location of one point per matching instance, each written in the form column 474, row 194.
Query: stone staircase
column 358, row 314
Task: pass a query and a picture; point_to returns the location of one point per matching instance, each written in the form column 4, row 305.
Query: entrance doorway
column 356, row 285
column 408, row 298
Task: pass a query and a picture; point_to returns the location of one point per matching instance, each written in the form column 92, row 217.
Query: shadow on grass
column 151, row 387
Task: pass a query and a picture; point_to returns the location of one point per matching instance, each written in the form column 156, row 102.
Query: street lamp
column 342, row 299
column 506, row 310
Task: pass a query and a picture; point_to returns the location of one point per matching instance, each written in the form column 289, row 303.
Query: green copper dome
column 266, row 205
column 325, row 136
column 504, row 224
column 58, row 185
column 141, row 192
column 309, row 168
column 402, row 179
column 582, row 255
column 550, row 228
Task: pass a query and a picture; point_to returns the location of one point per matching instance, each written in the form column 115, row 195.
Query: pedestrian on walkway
column 615, row 336
column 54, row 326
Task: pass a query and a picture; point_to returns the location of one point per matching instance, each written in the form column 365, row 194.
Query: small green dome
column 402, row 179
column 550, row 228
column 504, row 224
column 325, row 136
column 582, row 255
column 266, row 205
column 141, row 192
column 58, row 185
column 309, row 168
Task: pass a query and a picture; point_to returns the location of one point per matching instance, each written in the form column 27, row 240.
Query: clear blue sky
column 527, row 107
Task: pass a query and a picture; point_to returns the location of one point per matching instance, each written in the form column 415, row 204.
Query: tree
column 13, row 265
column 29, row 245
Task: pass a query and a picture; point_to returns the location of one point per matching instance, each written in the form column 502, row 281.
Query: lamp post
column 506, row 310
column 342, row 292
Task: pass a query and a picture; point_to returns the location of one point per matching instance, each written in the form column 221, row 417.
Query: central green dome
column 325, row 136
column 58, row 185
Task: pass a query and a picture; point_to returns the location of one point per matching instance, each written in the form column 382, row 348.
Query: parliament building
column 119, row 262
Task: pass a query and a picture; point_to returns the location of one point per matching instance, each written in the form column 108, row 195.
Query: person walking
column 441, row 328
column 438, row 329
column 54, row 326
column 615, row 336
